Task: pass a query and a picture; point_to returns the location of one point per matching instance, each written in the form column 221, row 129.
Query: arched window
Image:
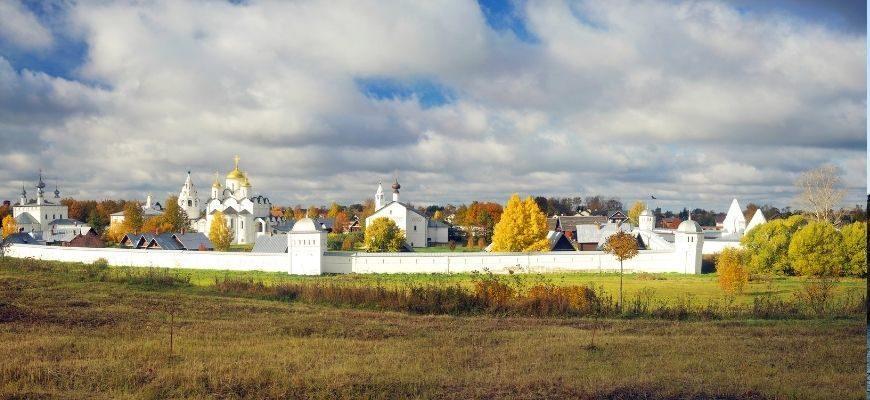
column 190, row 203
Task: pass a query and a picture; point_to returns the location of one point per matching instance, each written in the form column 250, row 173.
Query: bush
column 733, row 274
column 855, row 247
column 767, row 246
column 817, row 250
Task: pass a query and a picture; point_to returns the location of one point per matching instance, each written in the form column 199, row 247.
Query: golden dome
column 216, row 183
column 236, row 173
column 246, row 182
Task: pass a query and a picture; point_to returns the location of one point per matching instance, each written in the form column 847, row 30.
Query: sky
column 694, row 102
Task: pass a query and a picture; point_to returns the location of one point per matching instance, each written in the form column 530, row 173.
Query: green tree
column 634, row 212
column 133, row 218
column 855, row 246
column 219, row 233
column 383, row 235
column 174, row 217
column 817, row 250
column 623, row 246
column 733, row 275
column 767, row 246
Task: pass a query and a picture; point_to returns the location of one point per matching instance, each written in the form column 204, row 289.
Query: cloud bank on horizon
column 695, row 102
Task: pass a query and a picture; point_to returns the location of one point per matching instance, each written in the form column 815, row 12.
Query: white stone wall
column 308, row 256
column 157, row 258
column 646, row 261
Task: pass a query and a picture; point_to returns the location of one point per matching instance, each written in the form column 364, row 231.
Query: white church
column 420, row 231
column 46, row 220
column 247, row 215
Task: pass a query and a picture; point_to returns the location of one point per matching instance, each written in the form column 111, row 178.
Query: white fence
column 646, row 261
column 157, row 258
column 338, row 262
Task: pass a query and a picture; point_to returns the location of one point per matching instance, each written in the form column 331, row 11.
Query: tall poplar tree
column 219, row 233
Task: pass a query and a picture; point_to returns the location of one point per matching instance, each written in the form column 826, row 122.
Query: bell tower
column 188, row 198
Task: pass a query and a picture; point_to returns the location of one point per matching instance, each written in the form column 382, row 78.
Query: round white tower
column 688, row 243
column 188, row 198
column 646, row 221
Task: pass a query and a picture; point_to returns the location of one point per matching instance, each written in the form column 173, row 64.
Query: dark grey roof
column 568, row 222
column 270, row 244
column 193, row 240
column 325, row 223
column 406, row 205
column 25, row 218
column 285, row 226
column 21, row 238
column 166, row 241
column 66, row 221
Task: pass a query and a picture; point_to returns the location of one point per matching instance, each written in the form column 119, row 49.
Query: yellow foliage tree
column 623, row 246
column 9, row 226
column 733, row 274
column 634, row 212
column 522, row 227
column 219, row 233
column 438, row 216
column 383, row 235
column 156, row 225
column 116, row 232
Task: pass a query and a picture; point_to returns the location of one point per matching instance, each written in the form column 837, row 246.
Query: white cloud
column 692, row 101
column 21, row 28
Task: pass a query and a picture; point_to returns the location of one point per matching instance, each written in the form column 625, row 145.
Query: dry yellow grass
column 69, row 338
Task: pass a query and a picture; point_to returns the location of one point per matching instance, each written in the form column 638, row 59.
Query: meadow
column 76, row 331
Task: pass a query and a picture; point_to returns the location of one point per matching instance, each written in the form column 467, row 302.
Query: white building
column 45, row 220
column 247, row 215
column 419, row 230
column 149, row 209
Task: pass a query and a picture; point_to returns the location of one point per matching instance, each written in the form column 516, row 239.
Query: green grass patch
column 66, row 334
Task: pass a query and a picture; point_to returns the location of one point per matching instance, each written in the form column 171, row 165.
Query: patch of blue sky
column 66, row 53
column 507, row 15
column 428, row 92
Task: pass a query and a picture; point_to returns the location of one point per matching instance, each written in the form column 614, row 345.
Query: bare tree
column 821, row 192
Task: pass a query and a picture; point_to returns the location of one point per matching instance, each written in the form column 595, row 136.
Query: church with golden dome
column 247, row 215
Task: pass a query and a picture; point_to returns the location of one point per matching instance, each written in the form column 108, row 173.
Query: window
column 241, row 224
column 190, row 203
column 415, row 227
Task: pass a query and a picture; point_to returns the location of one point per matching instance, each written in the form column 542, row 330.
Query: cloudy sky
column 695, row 102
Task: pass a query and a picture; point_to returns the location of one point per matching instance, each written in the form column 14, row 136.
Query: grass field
column 664, row 287
column 63, row 335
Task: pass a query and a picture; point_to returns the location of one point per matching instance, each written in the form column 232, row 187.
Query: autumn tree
column 521, row 226
column 219, row 233
column 174, row 217
column 733, row 274
column 334, row 209
column 9, row 226
column 767, row 245
column 383, row 235
column 312, row 212
column 155, row 225
column 133, row 218
column 634, row 212
column 298, row 212
column 438, row 216
column 817, row 250
column 855, row 247
column 623, row 246
column 821, row 192
column 341, row 222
